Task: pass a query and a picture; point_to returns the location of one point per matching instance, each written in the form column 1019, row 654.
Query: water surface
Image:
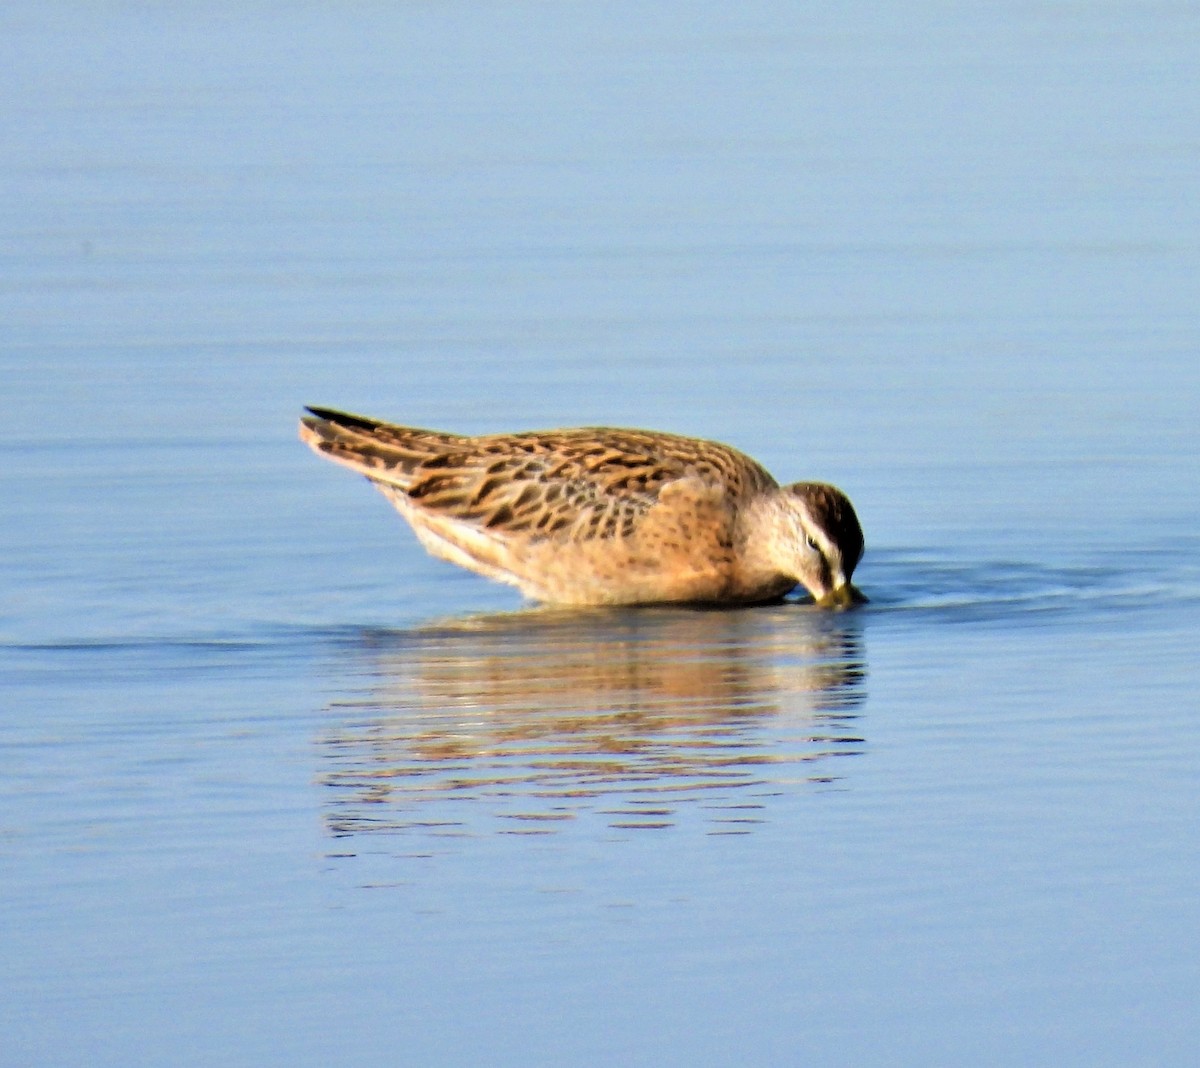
column 277, row 788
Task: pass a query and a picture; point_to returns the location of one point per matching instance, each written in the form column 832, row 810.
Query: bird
column 605, row 516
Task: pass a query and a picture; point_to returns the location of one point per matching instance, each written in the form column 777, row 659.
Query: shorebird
column 599, row 515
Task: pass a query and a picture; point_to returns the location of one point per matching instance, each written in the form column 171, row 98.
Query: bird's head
column 824, row 542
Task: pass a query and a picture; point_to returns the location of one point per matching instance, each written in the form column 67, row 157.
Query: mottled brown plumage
column 605, row 516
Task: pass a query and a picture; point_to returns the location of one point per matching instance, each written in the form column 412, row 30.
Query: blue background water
column 275, row 787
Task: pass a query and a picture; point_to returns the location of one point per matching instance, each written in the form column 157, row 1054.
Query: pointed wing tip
column 343, row 419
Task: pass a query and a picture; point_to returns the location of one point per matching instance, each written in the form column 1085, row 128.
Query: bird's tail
column 384, row 452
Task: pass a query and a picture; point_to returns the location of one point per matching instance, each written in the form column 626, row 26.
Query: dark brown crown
column 832, row 511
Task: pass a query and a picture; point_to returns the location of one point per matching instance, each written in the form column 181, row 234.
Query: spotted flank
column 605, row 516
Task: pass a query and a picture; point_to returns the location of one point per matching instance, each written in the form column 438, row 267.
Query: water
column 275, row 787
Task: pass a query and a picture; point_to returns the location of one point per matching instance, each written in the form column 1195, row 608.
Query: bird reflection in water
column 525, row 721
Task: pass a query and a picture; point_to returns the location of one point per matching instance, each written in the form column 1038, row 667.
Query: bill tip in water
column 843, row 597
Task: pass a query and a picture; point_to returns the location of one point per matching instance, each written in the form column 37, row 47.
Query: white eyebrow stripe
column 828, row 549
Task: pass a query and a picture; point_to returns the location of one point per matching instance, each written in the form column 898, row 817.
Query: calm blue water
column 277, row 788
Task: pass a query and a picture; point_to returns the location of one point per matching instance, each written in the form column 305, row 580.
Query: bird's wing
column 383, row 452
column 573, row 484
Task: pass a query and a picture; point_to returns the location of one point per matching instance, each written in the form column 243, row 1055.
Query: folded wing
column 572, row 485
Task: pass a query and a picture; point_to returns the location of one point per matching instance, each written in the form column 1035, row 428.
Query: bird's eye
column 812, row 544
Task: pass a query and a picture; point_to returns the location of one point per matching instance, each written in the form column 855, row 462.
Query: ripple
column 997, row 590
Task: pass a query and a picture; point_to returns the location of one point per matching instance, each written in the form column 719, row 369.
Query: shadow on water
column 525, row 721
